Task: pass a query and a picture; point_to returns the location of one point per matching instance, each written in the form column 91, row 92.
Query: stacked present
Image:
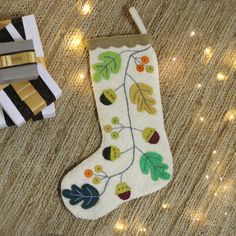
column 27, row 90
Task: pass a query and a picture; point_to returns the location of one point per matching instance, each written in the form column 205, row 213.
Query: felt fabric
column 134, row 158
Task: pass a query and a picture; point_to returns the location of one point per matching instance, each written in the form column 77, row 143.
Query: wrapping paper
column 18, row 61
column 46, row 113
column 24, row 100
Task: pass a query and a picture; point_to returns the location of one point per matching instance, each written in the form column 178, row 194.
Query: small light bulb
column 207, row 176
column 198, row 216
column 217, row 162
column 81, row 76
column 174, row 59
column 85, row 9
column 142, row 229
column 192, row 33
column 201, row 119
column 230, row 115
column 75, row 41
column 221, row 179
column 214, row 152
column 220, row 76
column 164, row 205
column 207, row 51
column 199, row 85
column 120, row 226
column 226, row 213
column 215, row 194
column 207, row 56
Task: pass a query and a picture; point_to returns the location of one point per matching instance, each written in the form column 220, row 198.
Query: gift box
column 18, row 62
column 46, row 113
column 33, row 99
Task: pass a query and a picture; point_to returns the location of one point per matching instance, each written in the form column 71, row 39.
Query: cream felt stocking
column 134, row 158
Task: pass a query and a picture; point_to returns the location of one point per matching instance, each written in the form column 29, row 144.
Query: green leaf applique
column 111, row 63
column 153, row 162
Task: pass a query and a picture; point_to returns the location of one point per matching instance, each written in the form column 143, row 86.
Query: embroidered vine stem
column 133, row 147
column 121, row 127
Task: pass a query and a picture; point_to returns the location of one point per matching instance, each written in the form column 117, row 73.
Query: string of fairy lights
column 225, row 185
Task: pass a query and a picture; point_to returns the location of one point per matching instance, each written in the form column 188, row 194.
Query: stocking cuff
column 119, row 41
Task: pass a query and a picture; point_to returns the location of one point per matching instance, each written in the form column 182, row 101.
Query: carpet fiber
column 199, row 115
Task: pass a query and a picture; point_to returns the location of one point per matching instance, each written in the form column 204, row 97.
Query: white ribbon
column 138, row 21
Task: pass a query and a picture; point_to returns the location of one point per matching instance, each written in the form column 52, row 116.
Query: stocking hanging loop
column 137, row 19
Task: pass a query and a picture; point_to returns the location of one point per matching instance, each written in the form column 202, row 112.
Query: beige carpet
column 34, row 158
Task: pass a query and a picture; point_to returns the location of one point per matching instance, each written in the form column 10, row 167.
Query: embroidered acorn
column 123, row 191
column 151, row 135
column 111, row 153
column 108, row 97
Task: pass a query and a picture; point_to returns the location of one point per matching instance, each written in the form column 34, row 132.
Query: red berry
column 140, row 68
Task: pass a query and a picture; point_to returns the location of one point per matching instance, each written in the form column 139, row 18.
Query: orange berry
column 88, row 173
column 145, row 59
column 140, row 68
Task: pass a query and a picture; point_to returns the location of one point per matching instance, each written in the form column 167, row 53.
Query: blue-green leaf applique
column 110, row 63
column 87, row 193
column 153, row 162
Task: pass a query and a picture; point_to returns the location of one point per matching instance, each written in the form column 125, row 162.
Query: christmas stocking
column 134, row 158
